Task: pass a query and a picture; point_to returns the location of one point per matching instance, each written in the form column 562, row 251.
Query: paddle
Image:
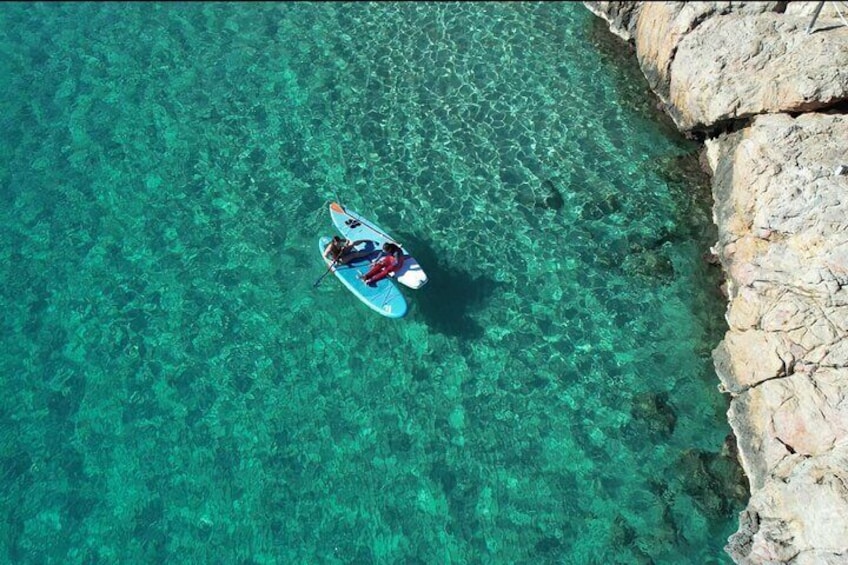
column 321, row 278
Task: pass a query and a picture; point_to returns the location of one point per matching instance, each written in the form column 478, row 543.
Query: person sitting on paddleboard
column 341, row 250
column 387, row 265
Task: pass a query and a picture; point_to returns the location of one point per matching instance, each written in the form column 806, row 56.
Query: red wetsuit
column 383, row 268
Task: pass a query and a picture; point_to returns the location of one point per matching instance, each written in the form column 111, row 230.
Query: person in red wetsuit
column 388, row 264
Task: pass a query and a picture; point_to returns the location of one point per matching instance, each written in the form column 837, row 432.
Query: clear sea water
column 175, row 390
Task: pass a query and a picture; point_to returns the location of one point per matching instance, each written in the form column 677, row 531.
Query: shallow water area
column 174, row 385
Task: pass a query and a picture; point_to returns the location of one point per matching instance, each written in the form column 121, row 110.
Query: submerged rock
column 599, row 207
column 650, row 263
column 553, row 199
column 714, row 481
column 653, row 413
column 544, row 197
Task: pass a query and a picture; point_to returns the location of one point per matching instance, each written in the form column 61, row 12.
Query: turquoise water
column 174, row 389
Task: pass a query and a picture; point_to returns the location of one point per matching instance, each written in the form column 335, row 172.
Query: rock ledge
column 780, row 193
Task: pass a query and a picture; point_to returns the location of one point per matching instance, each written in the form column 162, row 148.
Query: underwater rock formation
column 654, row 413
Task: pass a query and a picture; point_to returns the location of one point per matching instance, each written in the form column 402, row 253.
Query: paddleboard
column 353, row 226
column 383, row 297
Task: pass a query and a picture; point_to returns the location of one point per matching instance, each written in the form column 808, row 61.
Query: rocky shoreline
column 770, row 101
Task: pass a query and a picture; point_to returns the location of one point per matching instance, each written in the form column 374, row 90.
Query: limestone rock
column 737, row 66
column 783, row 241
column 829, row 14
column 746, row 359
column 621, row 16
column 789, row 416
column 711, row 62
column 781, row 207
column 745, row 310
column 661, row 27
column 801, row 518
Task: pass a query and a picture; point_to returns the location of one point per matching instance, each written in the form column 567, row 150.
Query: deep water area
column 174, row 387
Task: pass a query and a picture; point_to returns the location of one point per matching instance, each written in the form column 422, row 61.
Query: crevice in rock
column 694, row 25
column 841, row 482
column 788, row 368
column 833, row 107
column 788, row 447
column 733, row 125
column 781, row 7
column 748, row 388
column 837, row 107
column 723, row 127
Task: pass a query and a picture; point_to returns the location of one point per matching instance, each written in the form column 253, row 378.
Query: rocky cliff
column 770, row 101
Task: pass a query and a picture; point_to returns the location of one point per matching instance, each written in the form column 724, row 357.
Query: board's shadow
column 451, row 296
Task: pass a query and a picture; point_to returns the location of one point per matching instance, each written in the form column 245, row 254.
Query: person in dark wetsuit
column 387, row 265
column 341, row 250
